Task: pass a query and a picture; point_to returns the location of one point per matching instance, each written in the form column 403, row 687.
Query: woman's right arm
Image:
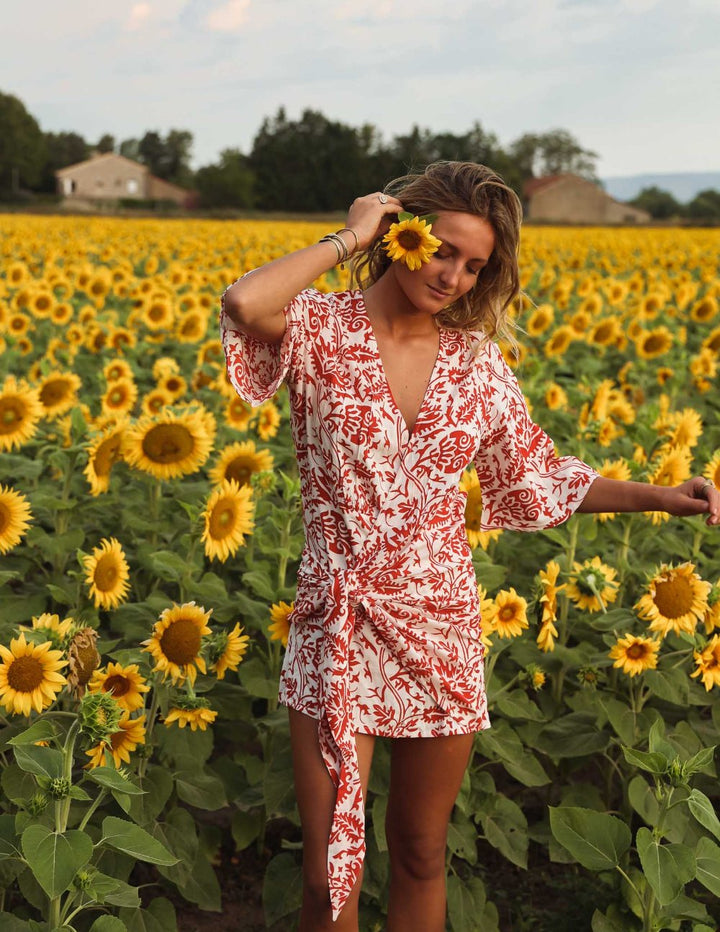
column 255, row 302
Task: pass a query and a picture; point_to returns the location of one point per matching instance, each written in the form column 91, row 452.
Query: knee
column 419, row 855
column 316, row 890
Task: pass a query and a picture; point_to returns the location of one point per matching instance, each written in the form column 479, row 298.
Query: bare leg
column 315, row 793
column 425, row 779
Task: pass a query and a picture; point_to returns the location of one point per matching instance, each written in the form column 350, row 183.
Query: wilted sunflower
column 103, row 452
column 592, row 585
column 634, row 655
column 20, row 411
column 279, row 629
column 122, row 743
column 124, row 684
column 677, row 598
column 228, row 518
column 194, row 712
column 29, row 677
column 15, row 517
column 170, row 445
column 510, row 617
column 177, row 641
column 707, row 662
column 58, row 392
column 548, row 604
column 83, row 660
column 411, row 242
column 107, row 574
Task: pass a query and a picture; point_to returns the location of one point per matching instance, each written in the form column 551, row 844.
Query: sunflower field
column 150, row 530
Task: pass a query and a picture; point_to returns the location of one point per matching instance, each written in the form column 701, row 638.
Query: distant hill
column 683, row 186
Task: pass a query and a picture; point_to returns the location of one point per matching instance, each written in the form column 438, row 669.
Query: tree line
column 310, row 164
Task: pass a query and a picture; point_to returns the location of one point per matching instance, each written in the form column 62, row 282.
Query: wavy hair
column 474, row 189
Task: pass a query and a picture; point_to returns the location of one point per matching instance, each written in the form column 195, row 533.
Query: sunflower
column 704, row 309
column 712, row 470
column 120, row 397
column 193, row 712
column 634, row 655
column 122, row 743
column 83, row 660
column 510, row 615
column 51, row 627
column 238, row 414
column 191, row 327
column 158, row 314
column 677, row 598
column 62, row 313
column 41, row 304
column 686, row 428
column 649, row 344
column 172, row 444
column 124, row 684
column 228, row 518
column 268, row 421
column 15, row 517
column 117, row 369
column 174, row 384
column 592, row 585
column 103, row 452
column 548, row 601
column 58, row 392
column 560, row 340
column 712, row 341
column 240, row 461
column 613, row 469
column 410, row 241
column 605, row 332
column 279, row 629
column 707, row 662
column 176, row 641
column 29, row 677
column 107, row 574
column 155, row 402
column 227, row 649
column 673, row 467
column 555, row 397
column 20, row 411
column 540, row 319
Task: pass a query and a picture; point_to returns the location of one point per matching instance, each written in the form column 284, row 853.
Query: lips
column 438, row 293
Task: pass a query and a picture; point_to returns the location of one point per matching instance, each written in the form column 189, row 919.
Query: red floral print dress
column 385, row 634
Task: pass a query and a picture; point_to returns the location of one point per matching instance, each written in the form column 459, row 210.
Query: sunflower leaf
column 42, row 730
column 704, row 812
column 707, row 854
column 109, row 778
column 55, row 858
column 135, row 841
column 596, row 840
column 667, row 867
column 45, row 762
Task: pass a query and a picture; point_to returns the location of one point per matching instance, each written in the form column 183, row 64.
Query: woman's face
column 467, row 242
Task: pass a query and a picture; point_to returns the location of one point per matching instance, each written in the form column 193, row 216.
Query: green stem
column 154, row 509
column 562, row 618
column 93, row 806
column 152, row 715
column 625, row 547
column 62, row 807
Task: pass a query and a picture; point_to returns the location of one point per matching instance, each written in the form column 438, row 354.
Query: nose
column 450, row 274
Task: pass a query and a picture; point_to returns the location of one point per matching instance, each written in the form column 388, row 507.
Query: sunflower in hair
column 410, row 240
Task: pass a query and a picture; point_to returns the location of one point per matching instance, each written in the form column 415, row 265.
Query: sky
column 636, row 81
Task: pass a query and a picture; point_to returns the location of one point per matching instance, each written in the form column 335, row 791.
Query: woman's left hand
column 694, row 497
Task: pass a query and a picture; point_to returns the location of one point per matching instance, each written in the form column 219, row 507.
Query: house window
column 132, row 186
column 68, row 186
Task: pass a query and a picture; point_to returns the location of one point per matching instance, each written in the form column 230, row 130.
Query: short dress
column 385, row 633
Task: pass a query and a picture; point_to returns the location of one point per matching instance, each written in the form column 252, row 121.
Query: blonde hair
column 469, row 188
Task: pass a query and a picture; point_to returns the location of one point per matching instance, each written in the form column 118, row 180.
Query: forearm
column 606, row 495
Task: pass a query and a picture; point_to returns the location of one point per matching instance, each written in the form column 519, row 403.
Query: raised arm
column 695, row 497
column 255, row 303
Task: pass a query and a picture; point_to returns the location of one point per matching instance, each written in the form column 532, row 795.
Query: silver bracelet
column 340, row 245
column 350, row 230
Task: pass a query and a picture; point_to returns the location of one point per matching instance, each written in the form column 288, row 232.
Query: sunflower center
column 117, row 739
column 168, row 443
column 117, row 685
column 507, row 613
column 106, row 573
column 222, row 519
column 674, row 597
column 54, row 392
column 654, row 344
column 180, row 642
column 106, row 454
column 636, row 651
column 240, row 470
column 12, row 413
column 25, row 674
column 5, row 518
column 409, row 239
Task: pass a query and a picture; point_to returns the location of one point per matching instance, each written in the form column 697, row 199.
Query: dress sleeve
column 525, row 485
column 255, row 368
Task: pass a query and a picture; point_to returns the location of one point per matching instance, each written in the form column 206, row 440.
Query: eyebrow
column 453, row 247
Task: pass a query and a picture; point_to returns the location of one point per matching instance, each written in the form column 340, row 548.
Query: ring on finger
column 383, row 198
column 705, row 486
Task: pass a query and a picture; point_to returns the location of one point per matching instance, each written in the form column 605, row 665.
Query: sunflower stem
column 152, row 714
column 154, row 509
column 62, row 809
column 93, row 806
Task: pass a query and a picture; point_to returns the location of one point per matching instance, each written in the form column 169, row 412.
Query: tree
column 553, row 153
column 704, row 206
column 168, row 158
column 62, row 149
column 22, row 146
column 106, row 143
column 151, row 152
column 227, row 184
column 130, row 149
column 660, row 204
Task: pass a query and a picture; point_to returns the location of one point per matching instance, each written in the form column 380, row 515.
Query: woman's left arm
column 695, row 497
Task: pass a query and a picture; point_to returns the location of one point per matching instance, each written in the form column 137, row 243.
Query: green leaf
column 200, row 789
column 516, row 704
column 246, row 826
column 707, row 855
column 168, row 565
column 135, row 841
column 17, row 784
column 667, row 867
column 602, row 923
column 574, row 735
column 109, row 778
column 379, row 811
column 282, row 888
column 404, row 215
column 141, row 920
column 10, row 923
column 595, row 839
column 259, row 582
column 44, row 762
column 42, row 730
column 622, row 720
column 157, row 785
column 643, row 800
column 255, row 678
column 505, row 827
column 466, row 902
column 55, row 858
column 657, row 744
column 700, row 761
column 704, row 812
column 108, row 924
column 8, row 837
column 106, row 889
column 462, row 838
column 653, row 763
column 672, row 686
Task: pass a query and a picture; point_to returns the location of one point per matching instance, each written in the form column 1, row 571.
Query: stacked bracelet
column 343, row 253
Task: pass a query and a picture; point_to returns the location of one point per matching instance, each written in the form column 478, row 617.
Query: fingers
column 370, row 216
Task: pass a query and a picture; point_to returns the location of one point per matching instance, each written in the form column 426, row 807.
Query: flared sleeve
column 525, row 485
column 255, row 368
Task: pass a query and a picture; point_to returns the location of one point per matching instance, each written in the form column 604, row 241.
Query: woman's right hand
column 370, row 218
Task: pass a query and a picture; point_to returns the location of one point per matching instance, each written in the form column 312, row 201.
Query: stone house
column 109, row 177
column 572, row 199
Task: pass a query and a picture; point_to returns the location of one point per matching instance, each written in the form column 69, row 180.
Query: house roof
column 95, row 159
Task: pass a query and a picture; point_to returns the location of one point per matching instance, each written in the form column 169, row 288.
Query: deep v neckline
column 386, row 382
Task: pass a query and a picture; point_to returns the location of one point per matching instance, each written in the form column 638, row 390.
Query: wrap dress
column 385, row 633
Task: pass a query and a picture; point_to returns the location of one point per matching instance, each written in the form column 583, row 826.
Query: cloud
column 138, row 15
column 228, row 17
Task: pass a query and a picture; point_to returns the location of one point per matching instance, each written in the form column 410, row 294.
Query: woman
column 395, row 388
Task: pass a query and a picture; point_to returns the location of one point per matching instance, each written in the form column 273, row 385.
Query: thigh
column 425, row 778
column 314, row 789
